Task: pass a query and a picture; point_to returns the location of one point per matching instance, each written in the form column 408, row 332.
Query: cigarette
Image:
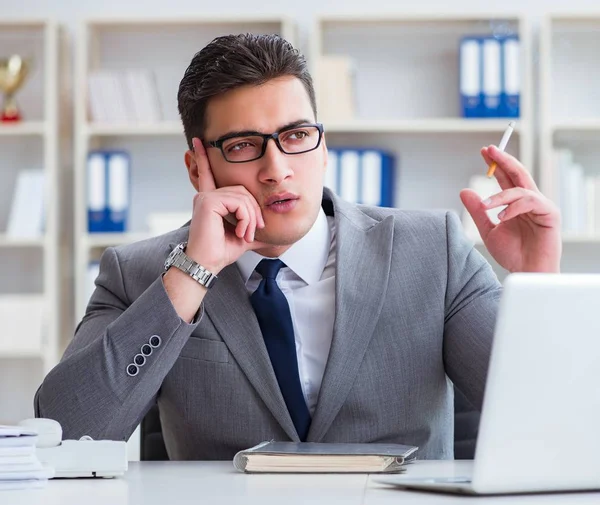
column 502, row 146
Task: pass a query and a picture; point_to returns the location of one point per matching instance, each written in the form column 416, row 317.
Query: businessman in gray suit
column 280, row 311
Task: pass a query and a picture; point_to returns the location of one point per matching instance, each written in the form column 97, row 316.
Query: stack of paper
column 19, row 465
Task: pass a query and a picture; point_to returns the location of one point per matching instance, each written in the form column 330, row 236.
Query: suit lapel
column 227, row 305
column 361, row 243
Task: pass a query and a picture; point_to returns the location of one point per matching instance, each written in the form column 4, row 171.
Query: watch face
column 171, row 257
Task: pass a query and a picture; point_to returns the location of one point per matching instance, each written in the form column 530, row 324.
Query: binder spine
column 118, row 190
column 331, row 179
column 492, row 77
column 97, row 176
column 371, row 182
column 470, row 77
column 388, row 174
column 511, row 77
column 349, row 175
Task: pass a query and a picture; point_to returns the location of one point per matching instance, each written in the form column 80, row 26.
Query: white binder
column 331, row 173
column 372, row 166
column 118, row 190
column 492, row 81
column 349, row 175
column 96, row 192
column 512, row 77
column 470, row 77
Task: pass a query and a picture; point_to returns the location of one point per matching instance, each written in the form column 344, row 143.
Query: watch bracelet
column 194, row 270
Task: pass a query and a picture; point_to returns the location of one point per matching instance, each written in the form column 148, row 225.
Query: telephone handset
column 85, row 457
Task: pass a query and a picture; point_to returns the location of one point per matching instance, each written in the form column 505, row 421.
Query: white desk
column 197, row 483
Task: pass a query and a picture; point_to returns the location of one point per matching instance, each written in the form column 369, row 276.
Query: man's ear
column 192, row 167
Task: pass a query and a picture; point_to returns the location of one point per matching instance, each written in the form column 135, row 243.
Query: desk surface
column 161, row 483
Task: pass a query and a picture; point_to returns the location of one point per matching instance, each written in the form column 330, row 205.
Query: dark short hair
column 230, row 62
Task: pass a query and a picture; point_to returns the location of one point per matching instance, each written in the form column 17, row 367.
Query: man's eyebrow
column 243, row 133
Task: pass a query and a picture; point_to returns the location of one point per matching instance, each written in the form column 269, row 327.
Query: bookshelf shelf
column 577, row 125
column 570, row 238
column 23, row 128
column 7, row 241
column 19, row 355
column 103, row 240
column 417, row 17
column 148, row 129
column 435, row 125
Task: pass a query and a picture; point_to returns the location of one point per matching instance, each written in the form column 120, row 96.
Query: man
column 328, row 321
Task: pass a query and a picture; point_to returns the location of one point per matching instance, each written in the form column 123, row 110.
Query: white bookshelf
column 570, row 119
column 103, row 240
column 30, row 266
column 167, row 128
column 406, row 88
column 159, row 181
column 26, row 128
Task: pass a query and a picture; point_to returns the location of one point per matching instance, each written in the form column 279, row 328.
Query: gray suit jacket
column 415, row 306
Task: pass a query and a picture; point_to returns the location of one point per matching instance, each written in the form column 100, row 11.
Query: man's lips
column 280, row 197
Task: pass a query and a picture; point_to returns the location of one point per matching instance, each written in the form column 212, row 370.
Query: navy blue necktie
column 275, row 321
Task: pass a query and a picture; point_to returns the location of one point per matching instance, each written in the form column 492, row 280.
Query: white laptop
column 540, row 422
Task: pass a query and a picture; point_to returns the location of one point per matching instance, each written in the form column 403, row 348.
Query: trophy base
column 10, row 117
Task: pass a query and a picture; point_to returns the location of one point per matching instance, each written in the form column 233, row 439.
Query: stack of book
column 19, row 466
column 124, row 96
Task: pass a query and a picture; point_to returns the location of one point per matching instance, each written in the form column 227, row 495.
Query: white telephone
column 77, row 458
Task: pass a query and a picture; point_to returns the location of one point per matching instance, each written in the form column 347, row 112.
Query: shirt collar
column 307, row 257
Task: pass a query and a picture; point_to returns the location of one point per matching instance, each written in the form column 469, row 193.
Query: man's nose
column 275, row 164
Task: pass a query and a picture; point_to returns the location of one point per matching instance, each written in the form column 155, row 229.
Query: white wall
column 69, row 13
column 302, row 11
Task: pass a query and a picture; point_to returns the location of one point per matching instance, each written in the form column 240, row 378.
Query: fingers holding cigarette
column 509, row 172
column 502, row 146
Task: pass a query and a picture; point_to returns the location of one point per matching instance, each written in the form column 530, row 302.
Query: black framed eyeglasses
column 242, row 148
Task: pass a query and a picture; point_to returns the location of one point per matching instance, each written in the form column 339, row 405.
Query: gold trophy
column 13, row 72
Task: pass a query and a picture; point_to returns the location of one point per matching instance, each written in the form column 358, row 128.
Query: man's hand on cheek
column 224, row 220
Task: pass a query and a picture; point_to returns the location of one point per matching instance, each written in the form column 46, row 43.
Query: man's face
column 266, row 109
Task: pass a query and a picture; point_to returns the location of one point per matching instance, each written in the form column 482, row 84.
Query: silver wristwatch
column 179, row 259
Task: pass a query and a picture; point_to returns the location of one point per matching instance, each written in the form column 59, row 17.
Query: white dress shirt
column 308, row 283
